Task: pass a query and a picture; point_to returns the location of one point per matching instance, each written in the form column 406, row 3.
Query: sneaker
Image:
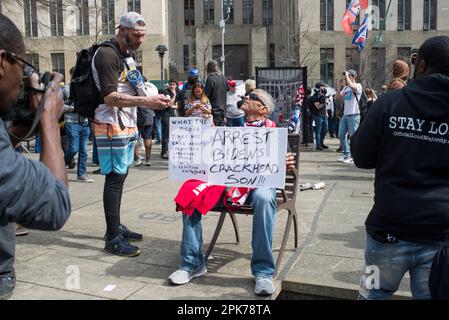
column 324, row 146
column 264, row 286
column 85, row 179
column 21, row 231
column 7, row 285
column 137, row 162
column 72, row 164
column 127, row 234
column 120, row 247
column 164, row 156
column 148, row 164
column 182, row 276
column 348, row 160
column 98, row 171
column 319, row 148
column 342, row 158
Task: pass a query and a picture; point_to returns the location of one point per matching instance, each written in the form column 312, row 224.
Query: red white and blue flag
column 360, row 37
column 350, row 15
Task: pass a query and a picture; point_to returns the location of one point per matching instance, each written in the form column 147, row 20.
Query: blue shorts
column 115, row 147
column 146, row 132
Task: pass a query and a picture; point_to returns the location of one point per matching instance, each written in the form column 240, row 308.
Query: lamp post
column 161, row 49
column 222, row 26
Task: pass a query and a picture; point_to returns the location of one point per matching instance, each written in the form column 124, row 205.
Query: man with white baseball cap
column 115, row 124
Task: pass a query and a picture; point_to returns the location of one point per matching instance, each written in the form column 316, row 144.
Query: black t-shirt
column 315, row 111
column 109, row 67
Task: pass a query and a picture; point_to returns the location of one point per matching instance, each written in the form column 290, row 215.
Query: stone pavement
column 327, row 263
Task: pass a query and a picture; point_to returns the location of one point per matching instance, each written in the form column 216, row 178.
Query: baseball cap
column 353, row 73
column 193, row 72
column 133, row 20
column 232, row 83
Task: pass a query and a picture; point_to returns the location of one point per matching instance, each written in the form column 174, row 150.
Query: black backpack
column 83, row 90
column 363, row 104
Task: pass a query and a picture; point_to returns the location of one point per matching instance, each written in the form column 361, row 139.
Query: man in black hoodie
column 406, row 139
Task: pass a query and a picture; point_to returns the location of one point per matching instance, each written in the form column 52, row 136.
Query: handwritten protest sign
column 185, row 148
column 239, row 157
column 247, row 157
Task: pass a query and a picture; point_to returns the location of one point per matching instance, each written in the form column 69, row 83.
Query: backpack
column 83, row 90
column 363, row 104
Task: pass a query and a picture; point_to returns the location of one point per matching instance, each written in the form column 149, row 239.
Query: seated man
column 257, row 106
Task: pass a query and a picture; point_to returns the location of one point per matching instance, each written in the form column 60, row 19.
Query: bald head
column 433, row 57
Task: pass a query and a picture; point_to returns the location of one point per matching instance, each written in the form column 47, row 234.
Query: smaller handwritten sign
column 185, row 148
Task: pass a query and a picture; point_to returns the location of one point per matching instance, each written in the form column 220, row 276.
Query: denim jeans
column 7, row 249
column 78, row 135
column 235, row 122
column 263, row 203
column 393, row 261
column 320, row 129
column 348, row 124
column 158, row 126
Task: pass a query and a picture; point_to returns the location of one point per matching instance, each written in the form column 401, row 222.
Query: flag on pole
column 364, row 4
column 360, row 37
column 350, row 15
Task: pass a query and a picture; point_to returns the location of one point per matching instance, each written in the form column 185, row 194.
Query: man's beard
column 132, row 49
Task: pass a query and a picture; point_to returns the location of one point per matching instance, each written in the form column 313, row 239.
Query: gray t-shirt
column 29, row 193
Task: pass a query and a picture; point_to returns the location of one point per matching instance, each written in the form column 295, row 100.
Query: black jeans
column 165, row 122
column 7, row 249
column 112, row 199
column 218, row 113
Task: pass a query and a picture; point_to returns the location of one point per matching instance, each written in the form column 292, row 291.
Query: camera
column 344, row 73
column 21, row 112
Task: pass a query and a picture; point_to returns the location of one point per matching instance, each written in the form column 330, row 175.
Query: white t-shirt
column 351, row 104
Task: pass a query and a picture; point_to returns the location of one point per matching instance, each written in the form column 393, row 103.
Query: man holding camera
column 349, row 123
column 320, row 115
column 33, row 194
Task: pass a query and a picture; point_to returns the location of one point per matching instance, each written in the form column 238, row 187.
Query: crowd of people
column 407, row 229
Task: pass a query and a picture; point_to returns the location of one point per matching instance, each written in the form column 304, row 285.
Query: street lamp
column 161, row 49
column 222, row 26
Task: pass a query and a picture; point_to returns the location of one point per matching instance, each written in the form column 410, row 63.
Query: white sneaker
column 137, row 162
column 348, row 160
column 342, row 158
column 148, row 163
column 182, row 276
column 264, row 286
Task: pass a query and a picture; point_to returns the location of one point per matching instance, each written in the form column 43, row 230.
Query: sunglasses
column 28, row 68
column 255, row 97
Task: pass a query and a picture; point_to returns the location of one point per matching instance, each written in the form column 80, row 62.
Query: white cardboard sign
column 240, row 157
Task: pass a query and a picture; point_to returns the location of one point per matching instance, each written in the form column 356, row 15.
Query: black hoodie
column 405, row 137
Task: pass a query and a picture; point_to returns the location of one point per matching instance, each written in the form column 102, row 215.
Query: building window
column 189, row 12
column 327, row 15
column 228, row 4
column 185, row 55
column 352, row 59
column 108, row 16
column 378, row 67
column 404, row 15
column 134, row 5
column 58, row 63
column 56, row 18
column 267, row 12
column 82, row 28
column 327, row 65
column 357, row 19
column 208, row 7
column 33, row 58
column 430, row 15
column 382, row 9
column 272, row 56
column 30, row 13
column 404, row 53
column 247, row 11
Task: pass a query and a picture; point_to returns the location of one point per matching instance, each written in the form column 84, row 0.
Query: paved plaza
column 327, row 264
